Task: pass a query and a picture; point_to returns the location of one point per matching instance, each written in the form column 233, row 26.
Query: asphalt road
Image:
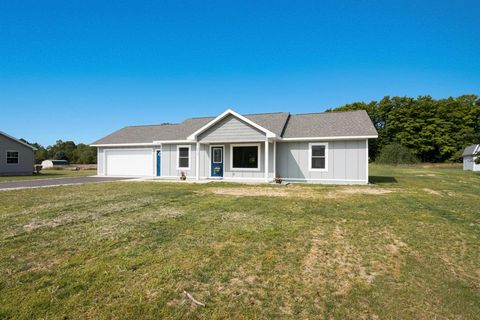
column 8, row 185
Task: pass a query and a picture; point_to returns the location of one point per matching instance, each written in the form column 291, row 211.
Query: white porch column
column 274, row 159
column 266, row 160
column 197, row 161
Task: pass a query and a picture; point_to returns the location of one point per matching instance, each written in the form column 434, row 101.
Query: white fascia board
column 17, row 140
column 227, row 112
column 171, row 141
column 154, row 143
column 329, row 138
column 123, row 144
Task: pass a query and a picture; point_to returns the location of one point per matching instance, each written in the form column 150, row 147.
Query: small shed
column 470, row 155
column 54, row 164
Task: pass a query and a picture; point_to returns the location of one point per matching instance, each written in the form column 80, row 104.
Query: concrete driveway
column 10, row 185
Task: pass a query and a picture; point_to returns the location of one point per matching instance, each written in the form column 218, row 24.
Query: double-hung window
column 183, row 157
column 12, row 157
column 318, row 156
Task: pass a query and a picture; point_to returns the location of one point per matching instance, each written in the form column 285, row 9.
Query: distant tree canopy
column 434, row 130
column 65, row 150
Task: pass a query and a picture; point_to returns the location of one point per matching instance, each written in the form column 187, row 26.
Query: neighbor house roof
column 282, row 124
column 471, row 150
column 17, row 140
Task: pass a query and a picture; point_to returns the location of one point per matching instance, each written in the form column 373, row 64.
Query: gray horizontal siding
column 231, row 129
column 25, row 158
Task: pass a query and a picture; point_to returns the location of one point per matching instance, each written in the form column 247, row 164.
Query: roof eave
column 330, row 138
column 17, row 140
column 139, row 144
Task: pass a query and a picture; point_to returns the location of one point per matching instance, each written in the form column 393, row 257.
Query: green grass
column 406, row 248
column 50, row 174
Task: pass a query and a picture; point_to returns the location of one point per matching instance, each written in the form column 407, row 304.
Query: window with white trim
column 245, row 157
column 318, row 156
column 12, row 157
column 183, row 157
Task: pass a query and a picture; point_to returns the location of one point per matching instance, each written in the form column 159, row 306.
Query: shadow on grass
column 382, row 179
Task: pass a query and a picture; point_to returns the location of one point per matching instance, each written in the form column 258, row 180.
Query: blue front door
column 159, row 163
column 217, row 161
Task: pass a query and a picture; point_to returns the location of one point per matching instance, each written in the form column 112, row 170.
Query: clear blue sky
column 78, row 70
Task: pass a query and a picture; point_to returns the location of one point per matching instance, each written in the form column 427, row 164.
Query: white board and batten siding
column 347, row 162
column 469, row 163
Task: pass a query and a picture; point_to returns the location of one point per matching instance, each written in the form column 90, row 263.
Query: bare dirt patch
column 299, row 192
column 430, row 191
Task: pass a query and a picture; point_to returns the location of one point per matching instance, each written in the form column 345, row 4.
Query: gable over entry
column 231, row 127
column 231, row 120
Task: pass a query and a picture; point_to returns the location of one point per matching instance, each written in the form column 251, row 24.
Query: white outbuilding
column 54, row 164
column 470, row 155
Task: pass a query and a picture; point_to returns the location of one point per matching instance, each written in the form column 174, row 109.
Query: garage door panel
column 133, row 162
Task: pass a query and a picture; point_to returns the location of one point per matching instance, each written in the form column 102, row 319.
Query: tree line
column 65, row 150
column 434, row 130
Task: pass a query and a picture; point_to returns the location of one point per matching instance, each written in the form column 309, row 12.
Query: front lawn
column 407, row 247
column 51, row 174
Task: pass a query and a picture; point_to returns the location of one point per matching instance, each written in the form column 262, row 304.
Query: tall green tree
column 435, row 130
column 65, row 150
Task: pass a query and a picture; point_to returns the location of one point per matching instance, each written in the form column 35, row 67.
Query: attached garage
column 128, row 162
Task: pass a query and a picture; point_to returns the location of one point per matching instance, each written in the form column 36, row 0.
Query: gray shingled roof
column 331, row 124
column 470, row 150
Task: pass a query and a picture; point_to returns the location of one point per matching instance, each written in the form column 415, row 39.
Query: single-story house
column 54, row 164
column 330, row 147
column 17, row 157
column 469, row 157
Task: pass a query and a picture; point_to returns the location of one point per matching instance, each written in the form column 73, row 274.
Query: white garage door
column 129, row 162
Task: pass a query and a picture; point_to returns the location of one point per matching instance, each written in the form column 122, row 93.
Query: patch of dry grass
column 299, row 192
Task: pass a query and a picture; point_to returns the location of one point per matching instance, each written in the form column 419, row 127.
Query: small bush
column 395, row 153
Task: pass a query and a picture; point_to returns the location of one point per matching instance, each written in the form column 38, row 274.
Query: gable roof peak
column 227, row 112
column 17, row 140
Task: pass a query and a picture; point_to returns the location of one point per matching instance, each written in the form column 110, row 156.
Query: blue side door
column 159, row 163
column 216, row 161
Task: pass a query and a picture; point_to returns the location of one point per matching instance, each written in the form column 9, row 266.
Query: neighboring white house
column 469, row 157
column 330, row 147
column 54, row 164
